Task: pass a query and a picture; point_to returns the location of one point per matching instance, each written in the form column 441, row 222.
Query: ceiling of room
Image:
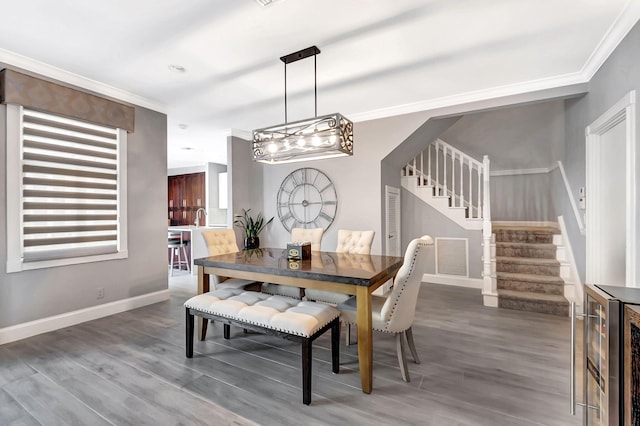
column 378, row 57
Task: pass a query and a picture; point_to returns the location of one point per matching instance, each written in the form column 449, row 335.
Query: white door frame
column 623, row 110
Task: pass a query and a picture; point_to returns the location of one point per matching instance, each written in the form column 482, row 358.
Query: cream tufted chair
column 313, row 235
column 223, row 241
column 394, row 314
column 349, row 242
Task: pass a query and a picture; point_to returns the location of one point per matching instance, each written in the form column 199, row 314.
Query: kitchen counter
column 197, row 247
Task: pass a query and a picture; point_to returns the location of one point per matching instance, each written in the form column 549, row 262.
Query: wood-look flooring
column 480, row 366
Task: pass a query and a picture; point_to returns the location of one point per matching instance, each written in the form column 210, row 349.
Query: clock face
column 307, row 199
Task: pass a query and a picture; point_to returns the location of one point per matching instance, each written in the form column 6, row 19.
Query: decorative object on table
column 299, row 250
column 307, row 198
column 315, row 138
column 252, row 228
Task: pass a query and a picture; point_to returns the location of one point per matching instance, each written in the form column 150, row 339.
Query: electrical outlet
column 100, row 293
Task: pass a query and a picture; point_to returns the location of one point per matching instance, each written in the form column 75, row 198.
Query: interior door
column 392, row 207
column 611, row 219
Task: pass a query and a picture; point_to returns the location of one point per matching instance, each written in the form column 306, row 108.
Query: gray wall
column 215, row 215
column 36, row 294
column 618, row 75
column 418, row 218
column 519, row 137
column 516, row 138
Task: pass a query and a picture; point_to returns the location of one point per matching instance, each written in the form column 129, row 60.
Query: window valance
column 41, row 95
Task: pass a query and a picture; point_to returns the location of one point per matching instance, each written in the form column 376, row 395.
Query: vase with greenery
column 251, row 227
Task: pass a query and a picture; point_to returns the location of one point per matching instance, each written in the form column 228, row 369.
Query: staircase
column 528, row 274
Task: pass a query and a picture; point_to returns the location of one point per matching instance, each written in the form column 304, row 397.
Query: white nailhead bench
column 277, row 315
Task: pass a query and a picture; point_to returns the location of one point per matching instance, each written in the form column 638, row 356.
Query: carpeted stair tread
column 547, row 279
column 527, row 260
column 533, row 302
column 523, row 249
column 524, row 295
column 531, row 228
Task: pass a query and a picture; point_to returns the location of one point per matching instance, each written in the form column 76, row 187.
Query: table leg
column 365, row 338
column 203, row 287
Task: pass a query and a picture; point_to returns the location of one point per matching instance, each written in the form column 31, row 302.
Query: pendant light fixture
column 315, row 138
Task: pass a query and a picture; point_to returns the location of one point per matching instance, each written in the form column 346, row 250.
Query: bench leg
column 227, row 331
column 335, row 346
column 189, row 333
column 306, row 371
column 203, row 330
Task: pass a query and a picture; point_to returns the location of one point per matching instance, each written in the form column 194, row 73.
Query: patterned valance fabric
column 41, row 95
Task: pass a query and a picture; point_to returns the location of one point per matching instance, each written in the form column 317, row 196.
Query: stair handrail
column 439, row 155
column 442, row 160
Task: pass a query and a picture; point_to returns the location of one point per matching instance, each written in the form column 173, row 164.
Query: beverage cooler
column 603, row 360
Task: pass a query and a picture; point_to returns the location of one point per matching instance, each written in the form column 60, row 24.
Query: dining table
column 358, row 275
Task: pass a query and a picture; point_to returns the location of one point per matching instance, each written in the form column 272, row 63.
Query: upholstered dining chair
column 313, row 235
column 395, row 313
column 223, row 241
column 349, row 242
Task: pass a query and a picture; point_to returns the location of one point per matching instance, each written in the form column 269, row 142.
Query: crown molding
column 625, row 21
column 242, row 134
column 525, row 91
column 32, row 65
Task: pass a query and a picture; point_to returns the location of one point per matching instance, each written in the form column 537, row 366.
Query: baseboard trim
column 56, row 322
column 453, row 281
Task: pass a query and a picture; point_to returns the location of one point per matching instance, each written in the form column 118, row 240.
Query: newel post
column 489, row 282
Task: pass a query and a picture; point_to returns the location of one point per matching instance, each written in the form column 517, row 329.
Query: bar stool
column 175, row 243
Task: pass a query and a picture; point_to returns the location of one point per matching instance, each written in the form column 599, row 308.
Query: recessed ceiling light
column 183, row 126
column 267, row 2
column 178, row 69
column 187, row 148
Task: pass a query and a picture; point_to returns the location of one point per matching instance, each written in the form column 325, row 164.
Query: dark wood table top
column 355, row 269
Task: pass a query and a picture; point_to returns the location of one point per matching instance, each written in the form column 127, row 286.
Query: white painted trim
column 56, row 322
column 572, row 200
column 453, row 280
column 568, row 258
column 625, row 21
column 517, row 172
column 623, row 110
column 77, row 80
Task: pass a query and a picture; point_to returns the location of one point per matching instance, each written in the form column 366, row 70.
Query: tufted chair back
column 220, row 241
column 355, row 242
column 308, row 234
column 400, row 307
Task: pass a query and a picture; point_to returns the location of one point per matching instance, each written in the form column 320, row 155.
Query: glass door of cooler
column 600, row 359
column 595, row 353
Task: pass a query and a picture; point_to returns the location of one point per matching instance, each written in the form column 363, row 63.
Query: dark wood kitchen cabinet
column 186, row 194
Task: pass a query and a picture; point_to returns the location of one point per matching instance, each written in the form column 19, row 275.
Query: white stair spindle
column 444, row 179
column 422, row 168
column 461, row 181
column 437, row 183
column 479, row 193
column 470, row 189
column 453, row 178
column 429, row 160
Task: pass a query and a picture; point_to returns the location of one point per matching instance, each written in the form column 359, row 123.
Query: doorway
column 610, row 198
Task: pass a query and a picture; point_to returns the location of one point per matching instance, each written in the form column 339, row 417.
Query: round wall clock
column 307, row 199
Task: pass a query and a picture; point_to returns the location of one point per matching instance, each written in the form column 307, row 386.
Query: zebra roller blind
column 69, row 183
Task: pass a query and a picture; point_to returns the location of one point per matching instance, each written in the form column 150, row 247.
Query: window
column 66, row 182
